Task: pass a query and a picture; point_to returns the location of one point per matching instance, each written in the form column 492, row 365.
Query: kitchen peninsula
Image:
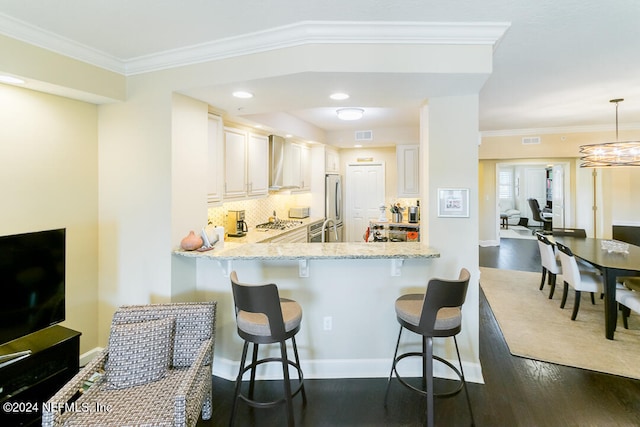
column 347, row 291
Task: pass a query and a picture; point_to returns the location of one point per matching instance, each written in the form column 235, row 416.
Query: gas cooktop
column 279, row 224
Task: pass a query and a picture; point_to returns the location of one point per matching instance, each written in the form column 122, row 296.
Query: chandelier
column 611, row 153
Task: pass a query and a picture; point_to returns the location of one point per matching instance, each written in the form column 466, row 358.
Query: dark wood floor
column 517, row 391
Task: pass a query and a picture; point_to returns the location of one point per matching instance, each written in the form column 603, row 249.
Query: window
column 505, row 184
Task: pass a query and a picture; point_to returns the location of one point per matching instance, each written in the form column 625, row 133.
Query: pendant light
column 609, row 154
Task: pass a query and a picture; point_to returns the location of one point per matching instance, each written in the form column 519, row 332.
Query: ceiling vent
column 529, row 140
column 364, row 135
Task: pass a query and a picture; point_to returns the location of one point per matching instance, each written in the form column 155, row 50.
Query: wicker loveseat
column 155, row 371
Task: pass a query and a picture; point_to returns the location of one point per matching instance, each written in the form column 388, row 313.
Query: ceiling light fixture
column 339, row 96
column 608, row 154
column 242, row 94
column 350, row 113
column 11, row 80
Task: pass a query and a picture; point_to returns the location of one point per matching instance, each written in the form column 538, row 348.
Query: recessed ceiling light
column 339, row 96
column 242, row 94
column 11, row 80
column 288, row 135
column 350, row 113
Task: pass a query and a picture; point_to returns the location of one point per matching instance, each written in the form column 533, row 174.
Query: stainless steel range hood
column 277, row 164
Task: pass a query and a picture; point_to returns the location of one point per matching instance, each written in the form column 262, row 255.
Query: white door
column 536, row 186
column 364, row 194
column 557, row 191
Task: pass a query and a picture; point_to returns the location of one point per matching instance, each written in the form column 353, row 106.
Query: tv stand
column 37, row 366
column 7, row 359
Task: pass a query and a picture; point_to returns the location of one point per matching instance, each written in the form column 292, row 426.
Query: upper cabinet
column 408, row 161
column 331, row 161
column 235, row 163
column 245, row 163
column 297, row 173
column 215, row 176
column 258, row 165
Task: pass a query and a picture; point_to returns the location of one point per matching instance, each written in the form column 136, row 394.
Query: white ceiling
column 557, row 66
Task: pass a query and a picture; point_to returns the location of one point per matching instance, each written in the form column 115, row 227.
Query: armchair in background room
column 507, row 209
column 156, row 370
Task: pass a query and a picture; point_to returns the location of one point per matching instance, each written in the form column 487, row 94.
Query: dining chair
column 628, row 298
column 586, row 281
column 551, row 266
column 569, row 232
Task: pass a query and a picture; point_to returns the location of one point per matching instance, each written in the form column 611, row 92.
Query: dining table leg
column 610, row 310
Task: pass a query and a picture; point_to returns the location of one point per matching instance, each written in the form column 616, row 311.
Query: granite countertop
column 255, row 235
column 250, row 247
column 306, row 251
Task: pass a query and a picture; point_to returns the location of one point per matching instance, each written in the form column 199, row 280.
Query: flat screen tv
column 32, row 282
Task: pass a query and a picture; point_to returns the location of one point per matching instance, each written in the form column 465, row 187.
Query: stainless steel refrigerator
column 333, row 207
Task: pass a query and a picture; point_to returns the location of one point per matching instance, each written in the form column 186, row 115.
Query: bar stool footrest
column 424, row 392
column 271, row 404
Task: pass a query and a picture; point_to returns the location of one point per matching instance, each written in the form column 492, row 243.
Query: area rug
column 517, row 232
column 535, row 326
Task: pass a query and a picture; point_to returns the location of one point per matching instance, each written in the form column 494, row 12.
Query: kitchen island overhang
column 396, row 252
column 351, row 287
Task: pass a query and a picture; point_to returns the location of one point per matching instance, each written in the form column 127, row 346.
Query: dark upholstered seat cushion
column 139, row 353
column 409, row 309
column 257, row 323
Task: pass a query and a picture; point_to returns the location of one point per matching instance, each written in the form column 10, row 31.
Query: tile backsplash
column 258, row 211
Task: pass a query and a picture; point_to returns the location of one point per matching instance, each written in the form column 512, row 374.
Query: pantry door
column 365, row 194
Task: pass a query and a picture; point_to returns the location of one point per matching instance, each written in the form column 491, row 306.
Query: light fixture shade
column 625, row 153
column 350, row 113
column 610, row 154
column 242, row 94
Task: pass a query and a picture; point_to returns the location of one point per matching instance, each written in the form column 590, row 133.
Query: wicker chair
column 155, row 371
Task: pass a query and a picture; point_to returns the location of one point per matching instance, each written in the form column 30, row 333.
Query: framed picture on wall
column 453, row 202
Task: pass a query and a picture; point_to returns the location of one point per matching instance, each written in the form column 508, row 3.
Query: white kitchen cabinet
column 246, row 158
column 215, row 168
column 331, row 161
column 305, row 168
column 298, row 168
column 299, row 235
column 235, row 163
column 258, row 165
column 408, row 162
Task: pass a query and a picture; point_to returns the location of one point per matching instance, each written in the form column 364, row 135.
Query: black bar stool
column 434, row 314
column 263, row 317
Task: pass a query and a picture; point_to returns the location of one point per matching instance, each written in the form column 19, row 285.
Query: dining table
column 612, row 265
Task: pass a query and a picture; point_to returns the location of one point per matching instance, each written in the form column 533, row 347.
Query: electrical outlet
column 327, row 323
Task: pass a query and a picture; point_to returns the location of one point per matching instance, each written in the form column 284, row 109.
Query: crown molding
column 36, row 36
column 300, row 33
column 557, row 130
column 322, row 32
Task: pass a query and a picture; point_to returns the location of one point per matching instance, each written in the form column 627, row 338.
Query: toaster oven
column 299, row 212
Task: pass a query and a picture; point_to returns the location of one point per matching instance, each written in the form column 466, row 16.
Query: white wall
column 49, row 179
column 135, row 202
column 449, row 147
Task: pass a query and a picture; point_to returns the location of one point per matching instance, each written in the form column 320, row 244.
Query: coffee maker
column 236, row 226
column 414, row 214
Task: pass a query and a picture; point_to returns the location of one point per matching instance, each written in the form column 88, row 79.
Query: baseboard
column 351, row 368
column 89, row 355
